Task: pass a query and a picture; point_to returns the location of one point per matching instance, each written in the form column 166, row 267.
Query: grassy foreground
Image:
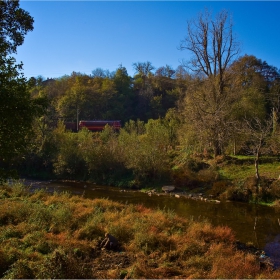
column 57, row 236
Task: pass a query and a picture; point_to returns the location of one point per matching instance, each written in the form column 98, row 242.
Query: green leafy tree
column 124, row 99
column 16, row 113
column 38, row 157
column 145, row 149
column 17, row 109
column 165, row 94
column 143, row 89
column 254, row 84
column 72, row 103
column 106, row 93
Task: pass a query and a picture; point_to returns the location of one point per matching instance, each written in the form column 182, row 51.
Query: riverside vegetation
column 143, row 156
column 58, row 235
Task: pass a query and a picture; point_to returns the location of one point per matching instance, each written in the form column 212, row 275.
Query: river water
column 257, row 224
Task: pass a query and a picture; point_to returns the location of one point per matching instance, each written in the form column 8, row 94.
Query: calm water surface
column 241, row 217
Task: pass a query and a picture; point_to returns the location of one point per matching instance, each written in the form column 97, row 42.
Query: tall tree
column 124, row 100
column 143, row 88
column 255, row 86
column 213, row 46
column 165, row 95
column 16, row 108
column 71, row 104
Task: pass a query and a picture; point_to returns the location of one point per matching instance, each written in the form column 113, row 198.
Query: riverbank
column 218, row 179
column 253, row 233
column 58, row 235
column 195, row 194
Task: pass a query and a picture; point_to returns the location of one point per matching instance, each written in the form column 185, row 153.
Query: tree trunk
column 257, row 169
column 78, row 112
column 217, row 148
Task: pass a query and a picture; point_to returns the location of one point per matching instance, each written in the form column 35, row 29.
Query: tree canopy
column 15, row 23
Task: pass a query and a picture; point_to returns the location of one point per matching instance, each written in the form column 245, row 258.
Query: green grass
column 240, row 171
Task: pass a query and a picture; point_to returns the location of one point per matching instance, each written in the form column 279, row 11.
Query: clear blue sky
column 84, row 35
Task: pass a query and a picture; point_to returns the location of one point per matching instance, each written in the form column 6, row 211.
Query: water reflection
column 251, row 223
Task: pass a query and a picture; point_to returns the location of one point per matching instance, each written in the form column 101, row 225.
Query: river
column 253, row 223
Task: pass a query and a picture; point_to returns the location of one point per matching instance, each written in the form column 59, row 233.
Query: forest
column 178, row 125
